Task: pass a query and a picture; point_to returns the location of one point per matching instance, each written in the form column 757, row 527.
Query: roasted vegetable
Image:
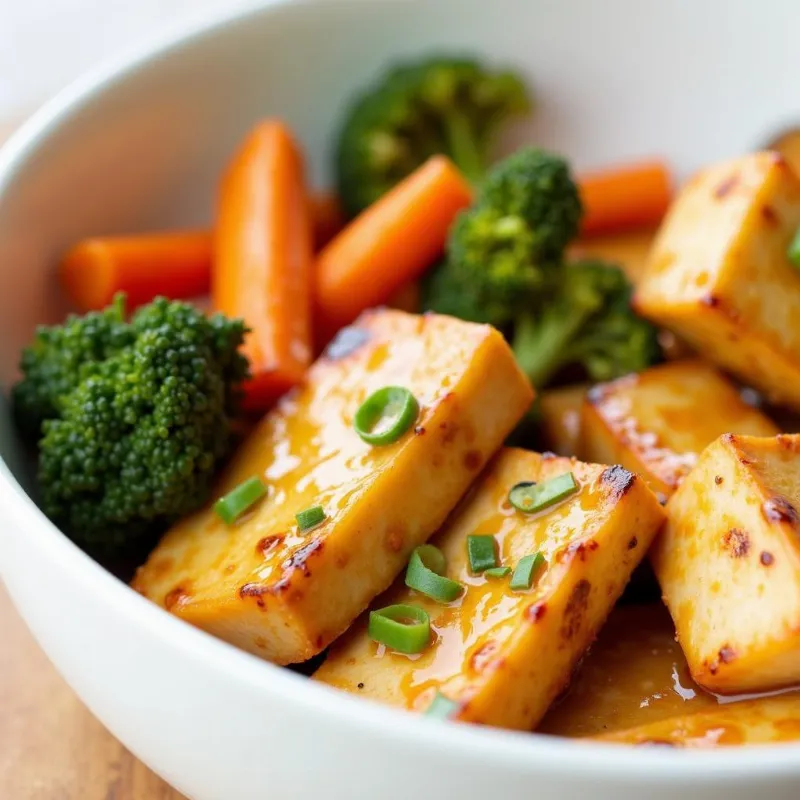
column 505, row 252
column 285, row 594
column 441, row 105
column 502, row 654
column 588, row 322
column 504, row 265
column 134, row 417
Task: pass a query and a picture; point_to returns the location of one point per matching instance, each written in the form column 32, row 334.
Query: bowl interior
column 142, row 147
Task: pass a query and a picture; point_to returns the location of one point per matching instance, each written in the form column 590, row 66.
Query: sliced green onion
column 531, row 497
column 481, row 553
column 309, row 518
column 401, row 627
column 386, row 415
column 794, row 250
column 497, row 572
column 441, row 707
column 230, row 507
column 526, row 568
column 423, row 575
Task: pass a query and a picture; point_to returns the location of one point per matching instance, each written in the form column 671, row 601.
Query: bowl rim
column 496, row 747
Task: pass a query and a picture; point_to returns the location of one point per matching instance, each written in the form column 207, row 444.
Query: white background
column 44, row 44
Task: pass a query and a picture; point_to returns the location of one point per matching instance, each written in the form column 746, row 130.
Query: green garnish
column 386, row 415
column 526, row 568
column 481, row 553
column 441, row 707
column 532, row 497
column 423, row 575
column 794, row 250
column 230, row 507
column 401, row 627
column 497, row 572
column 309, row 518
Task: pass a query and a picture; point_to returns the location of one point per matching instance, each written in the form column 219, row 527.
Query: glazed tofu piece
column 719, row 275
column 284, row 594
column 767, row 720
column 728, row 563
column 635, row 674
column 655, row 423
column 560, row 411
column 504, row 655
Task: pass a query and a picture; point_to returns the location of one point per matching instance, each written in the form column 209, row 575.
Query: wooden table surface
column 51, row 747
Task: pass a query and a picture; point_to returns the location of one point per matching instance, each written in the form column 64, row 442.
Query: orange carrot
column 629, row 197
column 327, row 218
column 176, row 265
column 263, row 259
column 389, row 244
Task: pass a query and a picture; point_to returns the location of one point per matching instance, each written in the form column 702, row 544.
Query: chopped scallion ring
column 532, row 497
column 441, row 707
column 423, row 575
column 793, row 251
column 497, row 572
column 309, row 518
column 481, row 553
column 401, row 627
column 230, row 507
column 526, row 568
column 386, row 415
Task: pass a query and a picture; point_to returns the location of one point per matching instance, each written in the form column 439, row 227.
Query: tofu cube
column 284, row 594
column 560, row 411
column 767, row 720
column 656, row 423
column 719, row 275
column 502, row 655
column 728, row 563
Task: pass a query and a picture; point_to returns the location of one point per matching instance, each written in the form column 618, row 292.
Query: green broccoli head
column 59, row 358
column 440, row 105
column 491, row 270
column 536, row 186
column 587, row 323
column 505, row 253
column 135, row 443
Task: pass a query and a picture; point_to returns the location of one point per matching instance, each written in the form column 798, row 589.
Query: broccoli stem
column 540, row 344
column 465, row 150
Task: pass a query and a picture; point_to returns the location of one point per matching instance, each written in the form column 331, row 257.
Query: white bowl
column 139, row 144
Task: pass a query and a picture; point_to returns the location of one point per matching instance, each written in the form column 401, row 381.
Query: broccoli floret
column 490, row 270
column 441, row 105
column 506, row 251
column 135, row 442
column 536, row 186
column 588, row 322
column 60, row 358
column 505, row 265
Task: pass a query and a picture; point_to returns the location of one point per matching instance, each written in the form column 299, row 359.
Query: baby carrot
column 176, row 265
column 629, row 197
column 263, row 258
column 389, row 244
